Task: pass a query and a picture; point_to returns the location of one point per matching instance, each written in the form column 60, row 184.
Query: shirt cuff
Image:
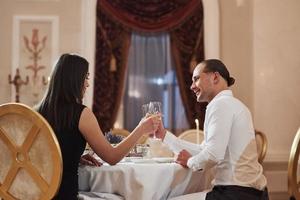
column 202, row 161
column 193, row 164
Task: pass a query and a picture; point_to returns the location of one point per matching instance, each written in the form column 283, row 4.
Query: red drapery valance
column 149, row 15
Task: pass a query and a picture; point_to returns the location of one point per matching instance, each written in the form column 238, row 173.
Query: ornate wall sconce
column 17, row 82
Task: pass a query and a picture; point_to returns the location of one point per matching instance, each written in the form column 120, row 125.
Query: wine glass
column 145, row 109
column 152, row 108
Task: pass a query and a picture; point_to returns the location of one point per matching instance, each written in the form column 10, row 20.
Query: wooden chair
column 191, row 135
column 261, row 141
column 119, row 131
column 125, row 133
column 293, row 183
column 262, row 145
column 30, row 156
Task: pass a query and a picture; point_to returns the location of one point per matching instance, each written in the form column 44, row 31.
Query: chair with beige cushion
column 261, row 141
column 191, row 135
column 119, row 131
column 262, row 145
column 30, row 156
column 293, row 183
column 125, row 133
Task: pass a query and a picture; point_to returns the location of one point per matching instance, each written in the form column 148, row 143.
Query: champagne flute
column 145, row 109
column 152, row 108
column 146, row 113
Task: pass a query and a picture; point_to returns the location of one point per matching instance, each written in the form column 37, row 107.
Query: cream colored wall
column 69, row 13
column 260, row 44
column 276, row 42
column 236, row 46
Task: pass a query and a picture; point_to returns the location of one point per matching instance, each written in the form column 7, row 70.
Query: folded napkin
column 158, row 148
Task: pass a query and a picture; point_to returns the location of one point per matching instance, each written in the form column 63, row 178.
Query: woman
column 74, row 124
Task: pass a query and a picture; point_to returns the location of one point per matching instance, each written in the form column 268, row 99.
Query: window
column 151, row 77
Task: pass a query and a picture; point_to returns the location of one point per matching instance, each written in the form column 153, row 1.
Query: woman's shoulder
column 87, row 120
column 80, row 107
column 86, row 112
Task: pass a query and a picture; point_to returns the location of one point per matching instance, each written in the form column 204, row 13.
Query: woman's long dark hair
column 65, row 91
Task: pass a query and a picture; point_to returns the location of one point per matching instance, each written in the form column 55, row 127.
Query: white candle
column 197, row 130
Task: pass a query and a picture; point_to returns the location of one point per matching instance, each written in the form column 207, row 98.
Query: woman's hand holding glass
column 150, row 124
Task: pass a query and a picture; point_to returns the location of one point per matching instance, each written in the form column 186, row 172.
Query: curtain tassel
column 113, row 63
column 193, row 63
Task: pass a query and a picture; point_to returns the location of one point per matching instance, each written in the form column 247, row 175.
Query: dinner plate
column 163, row 159
column 130, row 159
column 142, row 160
column 149, row 160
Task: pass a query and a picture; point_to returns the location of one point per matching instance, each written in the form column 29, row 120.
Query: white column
column 211, row 28
column 88, row 34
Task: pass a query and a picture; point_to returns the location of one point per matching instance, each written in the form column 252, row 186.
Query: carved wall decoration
column 35, row 48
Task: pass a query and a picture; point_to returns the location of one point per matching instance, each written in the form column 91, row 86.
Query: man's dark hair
column 65, row 91
column 215, row 65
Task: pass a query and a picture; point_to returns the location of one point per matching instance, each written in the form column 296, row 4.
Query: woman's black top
column 72, row 144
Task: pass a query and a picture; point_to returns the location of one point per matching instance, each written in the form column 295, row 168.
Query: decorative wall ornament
column 17, row 82
column 35, row 49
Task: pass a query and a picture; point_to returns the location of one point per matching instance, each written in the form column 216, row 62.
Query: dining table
column 142, row 179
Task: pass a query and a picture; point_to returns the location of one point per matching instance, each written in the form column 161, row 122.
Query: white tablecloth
column 142, row 181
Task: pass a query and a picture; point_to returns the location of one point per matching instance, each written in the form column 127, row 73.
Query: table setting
column 148, row 172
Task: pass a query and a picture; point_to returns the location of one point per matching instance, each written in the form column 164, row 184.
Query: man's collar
column 220, row 94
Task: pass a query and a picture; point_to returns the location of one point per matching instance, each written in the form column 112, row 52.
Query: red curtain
column 112, row 44
column 149, row 15
column 116, row 19
column 187, row 45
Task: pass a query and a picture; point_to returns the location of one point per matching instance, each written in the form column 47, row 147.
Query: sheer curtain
column 151, row 77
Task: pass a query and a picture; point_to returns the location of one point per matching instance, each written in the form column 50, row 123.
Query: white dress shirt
column 229, row 144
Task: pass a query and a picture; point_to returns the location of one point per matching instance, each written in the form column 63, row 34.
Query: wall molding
column 277, row 156
column 275, row 169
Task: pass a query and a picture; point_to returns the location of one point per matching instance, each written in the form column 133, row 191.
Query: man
column 229, row 140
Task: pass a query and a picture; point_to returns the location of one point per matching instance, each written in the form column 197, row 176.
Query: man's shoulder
column 229, row 103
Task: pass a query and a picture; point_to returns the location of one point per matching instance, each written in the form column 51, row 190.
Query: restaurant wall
column 68, row 13
column 260, row 44
column 236, row 46
column 276, row 70
column 276, row 64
